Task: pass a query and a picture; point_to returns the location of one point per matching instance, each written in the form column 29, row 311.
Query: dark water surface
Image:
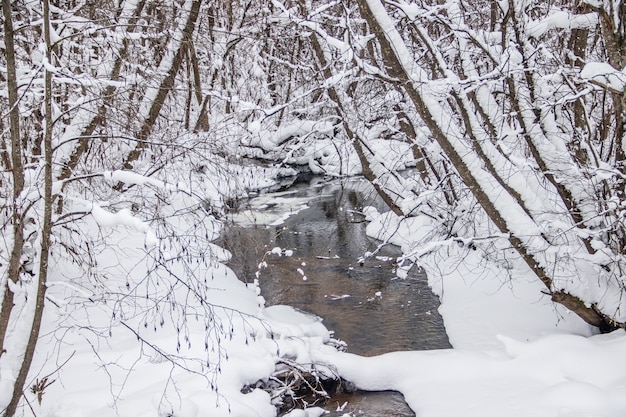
column 364, row 303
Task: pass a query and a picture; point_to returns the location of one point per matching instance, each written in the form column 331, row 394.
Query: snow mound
column 562, row 375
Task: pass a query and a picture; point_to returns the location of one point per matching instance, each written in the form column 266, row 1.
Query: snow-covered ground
column 515, row 353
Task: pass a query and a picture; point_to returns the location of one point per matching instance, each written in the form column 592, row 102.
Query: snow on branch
column 123, row 217
column 604, row 75
column 561, row 20
column 133, row 178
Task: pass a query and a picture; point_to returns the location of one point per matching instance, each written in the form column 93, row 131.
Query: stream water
column 364, row 303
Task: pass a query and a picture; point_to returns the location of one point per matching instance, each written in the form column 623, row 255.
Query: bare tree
column 469, row 130
column 68, row 127
column 155, row 97
column 46, row 229
column 16, row 168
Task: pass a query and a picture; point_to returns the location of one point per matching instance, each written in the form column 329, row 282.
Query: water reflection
column 366, row 305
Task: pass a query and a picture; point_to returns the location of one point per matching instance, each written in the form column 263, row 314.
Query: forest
column 130, row 127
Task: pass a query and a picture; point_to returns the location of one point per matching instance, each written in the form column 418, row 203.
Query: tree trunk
column 107, row 98
column 17, row 171
column 355, row 140
column 372, row 10
column 165, row 87
column 530, row 124
column 18, row 387
column 407, row 128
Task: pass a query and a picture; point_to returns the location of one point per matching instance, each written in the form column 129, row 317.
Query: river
column 319, row 269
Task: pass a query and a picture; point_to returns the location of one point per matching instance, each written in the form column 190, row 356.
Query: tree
column 14, row 163
column 170, row 66
column 8, row 307
column 474, row 131
column 72, row 108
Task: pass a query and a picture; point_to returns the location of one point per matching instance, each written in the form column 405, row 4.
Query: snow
column 604, row 74
column 550, row 377
column 471, row 289
column 272, row 211
column 562, row 20
column 514, row 353
column 288, row 322
column 123, row 218
column 309, row 412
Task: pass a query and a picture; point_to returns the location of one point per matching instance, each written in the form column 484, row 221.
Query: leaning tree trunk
column 470, row 165
column 182, row 38
column 612, row 14
column 359, row 146
column 97, row 118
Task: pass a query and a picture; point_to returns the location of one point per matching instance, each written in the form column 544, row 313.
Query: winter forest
column 493, row 131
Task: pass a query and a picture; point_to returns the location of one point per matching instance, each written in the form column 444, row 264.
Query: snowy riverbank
column 515, row 353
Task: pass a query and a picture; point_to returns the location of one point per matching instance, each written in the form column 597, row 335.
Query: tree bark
column 17, row 170
column 396, row 68
column 107, row 98
column 18, row 387
column 164, row 88
column 407, row 128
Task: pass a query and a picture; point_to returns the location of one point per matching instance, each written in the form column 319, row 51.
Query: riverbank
column 547, row 364
column 515, row 352
column 305, row 248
